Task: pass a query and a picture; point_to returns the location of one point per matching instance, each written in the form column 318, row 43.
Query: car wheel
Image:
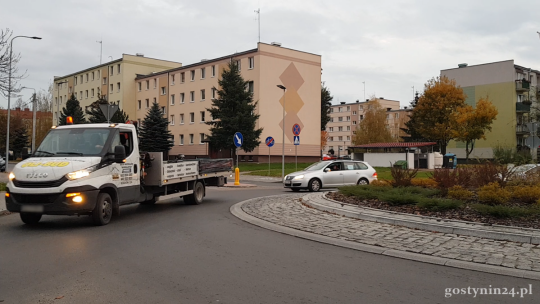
column 30, row 218
column 102, row 213
column 362, row 181
column 314, row 185
column 295, row 189
column 197, row 197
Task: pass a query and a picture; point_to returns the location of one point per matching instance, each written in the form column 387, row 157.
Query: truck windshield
column 73, row 142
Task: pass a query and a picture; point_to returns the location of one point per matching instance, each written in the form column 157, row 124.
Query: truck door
column 126, row 175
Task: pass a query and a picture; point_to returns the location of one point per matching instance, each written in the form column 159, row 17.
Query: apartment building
column 185, row 93
column 114, row 80
column 345, row 117
column 512, row 89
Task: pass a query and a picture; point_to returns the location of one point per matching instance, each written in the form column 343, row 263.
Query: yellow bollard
column 236, row 176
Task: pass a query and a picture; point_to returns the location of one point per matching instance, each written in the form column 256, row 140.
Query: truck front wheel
column 30, row 218
column 103, row 211
column 198, row 194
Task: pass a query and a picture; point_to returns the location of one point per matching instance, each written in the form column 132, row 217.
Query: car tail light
column 375, row 175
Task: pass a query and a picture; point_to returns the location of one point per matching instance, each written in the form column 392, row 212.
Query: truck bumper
column 54, row 204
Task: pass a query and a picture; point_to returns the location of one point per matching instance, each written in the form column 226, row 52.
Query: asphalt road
column 175, row 253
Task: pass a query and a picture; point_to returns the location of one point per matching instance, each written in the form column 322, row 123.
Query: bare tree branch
column 5, row 38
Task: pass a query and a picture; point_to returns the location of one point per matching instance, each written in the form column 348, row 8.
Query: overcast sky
column 390, row 45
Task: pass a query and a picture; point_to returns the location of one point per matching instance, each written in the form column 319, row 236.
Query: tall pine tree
column 233, row 111
column 19, row 141
column 73, row 109
column 153, row 133
column 95, row 115
column 326, row 104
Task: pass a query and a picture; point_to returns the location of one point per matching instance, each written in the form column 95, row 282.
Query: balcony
column 522, row 130
column 522, row 85
column 522, row 107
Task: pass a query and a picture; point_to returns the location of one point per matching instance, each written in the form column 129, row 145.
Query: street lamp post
column 9, row 90
column 58, row 101
column 283, row 135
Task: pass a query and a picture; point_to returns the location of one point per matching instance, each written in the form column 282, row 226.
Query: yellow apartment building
column 114, row 80
column 185, row 93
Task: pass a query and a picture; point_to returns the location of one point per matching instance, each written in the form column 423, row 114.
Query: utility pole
column 258, row 11
column 34, row 122
column 364, row 90
column 101, row 50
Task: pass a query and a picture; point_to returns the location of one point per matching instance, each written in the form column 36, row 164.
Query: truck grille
column 46, row 184
column 34, row 199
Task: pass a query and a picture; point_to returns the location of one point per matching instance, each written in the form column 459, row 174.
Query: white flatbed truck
column 93, row 169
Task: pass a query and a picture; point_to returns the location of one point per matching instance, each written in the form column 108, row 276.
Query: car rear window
column 360, row 166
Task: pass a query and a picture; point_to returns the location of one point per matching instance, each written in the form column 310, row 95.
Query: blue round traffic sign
column 269, row 141
column 238, row 139
column 296, row 129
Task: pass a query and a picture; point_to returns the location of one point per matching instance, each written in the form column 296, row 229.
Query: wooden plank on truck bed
column 215, row 165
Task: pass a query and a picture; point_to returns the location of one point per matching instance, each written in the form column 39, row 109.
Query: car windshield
column 73, row 142
column 316, row 166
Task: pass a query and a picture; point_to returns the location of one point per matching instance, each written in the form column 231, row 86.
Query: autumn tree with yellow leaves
column 373, row 128
column 472, row 124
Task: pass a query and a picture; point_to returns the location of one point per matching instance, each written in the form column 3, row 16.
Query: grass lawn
column 261, row 169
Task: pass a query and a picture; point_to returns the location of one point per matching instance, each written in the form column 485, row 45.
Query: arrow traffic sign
column 296, row 129
column 270, row 141
column 238, row 139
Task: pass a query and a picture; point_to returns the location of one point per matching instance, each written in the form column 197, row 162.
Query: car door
column 334, row 177
column 126, row 175
column 351, row 174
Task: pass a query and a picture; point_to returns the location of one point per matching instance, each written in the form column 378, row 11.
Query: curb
column 525, row 235
column 239, row 186
column 237, row 211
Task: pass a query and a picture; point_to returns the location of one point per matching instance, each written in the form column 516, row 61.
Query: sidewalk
column 294, row 214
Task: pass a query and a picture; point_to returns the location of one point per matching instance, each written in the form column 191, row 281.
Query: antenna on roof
column 258, row 11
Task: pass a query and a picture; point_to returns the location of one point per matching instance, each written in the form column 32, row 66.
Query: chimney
column 26, row 109
column 462, row 65
column 139, row 55
column 367, row 99
column 388, row 109
column 405, row 108
column 276, row 43
column 17, row 109
column 381, row 97
column 343, row 102
column 357, row 101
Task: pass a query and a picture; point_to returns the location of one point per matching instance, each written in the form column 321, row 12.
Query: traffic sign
column 238, row 139
column 297, row 140
column 270, row 141
column 296, row 129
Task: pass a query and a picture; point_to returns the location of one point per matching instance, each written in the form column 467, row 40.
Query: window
column 361, row 107
column 172, row 139
column 80, row 78
column 99, row 74
column 172, row 100
column 181, row 97
column 147, row 103
column 213, row 92
column 155, row 83
column 396, row 115
column 331, row 129
column 340, row 138
column 353, row 112
column 60, row 99
column 75, row 95
column 139, row 104
column 93, row 76
column 250, row 87
column 182, row 77
column 340, row 118
column 191, row 117
column 348, row 138
column 203, row 94
column 331, row 110
column 361, row 117
column 171, row 121
column 112, row 88
column 118, row 68
column 348, row 128
column 148, row 84
column 75, row 80
column 192, row 72
column 331, row 138
column 92, row 92
column 81, row 94
column 340, row 109
column 340, row 129
column 56, row 100
column 104, row 80
column 203, row 73
column 331, row 119
column 251, row 62
column 172, row 79
column 86, row 77
column 111, row 71
column 213, row 69
column 163, row 110
column 181, row 119
column 192, row 96
column 118, row 86
column 181, row 139
column 163, row 90
column 201, row 135
column 202, row 116
column 238, row 62
column 154, row 100
column 348, row 118
column 139, row 85
column 191, row 139
column 98, row 90
column 86, row 94
column 348, row 108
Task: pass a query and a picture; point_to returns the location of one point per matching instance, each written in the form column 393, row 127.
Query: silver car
column 331, row 173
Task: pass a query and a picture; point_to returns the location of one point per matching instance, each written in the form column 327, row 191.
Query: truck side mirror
column 119, row 154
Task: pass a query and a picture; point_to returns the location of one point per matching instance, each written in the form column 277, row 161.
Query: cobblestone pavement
column 288, row 211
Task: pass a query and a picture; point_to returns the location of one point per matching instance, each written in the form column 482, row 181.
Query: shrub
column 509, row 155
column 422, row 191
column 361, row 192
column 448, row 178
column 402, row 177
column 400, row 198
column 489, row 172
column 424, row 182
column 492, row 193
column 459, row 193
column 437, row 204
column 381, row 183
column 505, row 211
column 2, row 186
column 526, row 194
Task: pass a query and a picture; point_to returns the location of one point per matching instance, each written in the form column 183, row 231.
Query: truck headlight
column 81, row 173
column 299, row 177
column 11, row 176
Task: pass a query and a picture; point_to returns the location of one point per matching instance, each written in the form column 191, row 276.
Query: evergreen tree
column 19, row 141
column 410, row 130
column 326, row 103
column 153, row 133
column 73, row 109
column 95, row 115
column 233, row 111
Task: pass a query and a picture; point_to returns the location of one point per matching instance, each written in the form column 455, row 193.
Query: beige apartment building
column 185, row 93
column 114, row 80
column 345, row 117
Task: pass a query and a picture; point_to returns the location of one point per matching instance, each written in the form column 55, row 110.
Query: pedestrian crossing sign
column 297, row 140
